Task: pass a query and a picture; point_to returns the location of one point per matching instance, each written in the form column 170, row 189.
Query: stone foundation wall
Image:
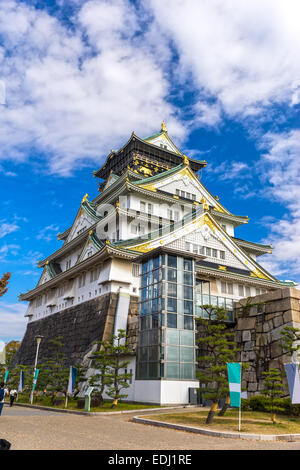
column 80, row 326
column 257, row 333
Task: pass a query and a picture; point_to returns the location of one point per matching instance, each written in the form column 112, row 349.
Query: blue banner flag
column 234, row 379
column 292, row 374
column 21, row 383
column 6, row 375
column 35, row 379
column 72, row 379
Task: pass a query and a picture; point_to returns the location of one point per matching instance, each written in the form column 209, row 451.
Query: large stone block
column 280, row 306
column 278, row 320
column 247, row 335
column 246, row 323
column 249, row 345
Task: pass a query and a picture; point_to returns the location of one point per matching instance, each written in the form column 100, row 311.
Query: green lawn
column 72, row 404
column 252, row 422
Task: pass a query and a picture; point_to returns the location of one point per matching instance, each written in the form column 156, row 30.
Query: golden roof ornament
column 204, row 203
column 163, row 127
column 186, row 160
column 90, row 232
column 85, row 198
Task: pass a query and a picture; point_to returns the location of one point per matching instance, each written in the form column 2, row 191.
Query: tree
column 273, row 389
column 54, row 374
column 290, row 340
column 101, row 362
column 217, row 347
column 117, row 349
column 3, row 283
column 10, row 350
column 13, row 378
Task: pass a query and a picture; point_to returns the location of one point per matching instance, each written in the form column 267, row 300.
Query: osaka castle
column 143, row 256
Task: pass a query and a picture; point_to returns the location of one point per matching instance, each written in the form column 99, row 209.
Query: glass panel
column 188, row 322
column 144, row 308
column 143, row 354
column 155, row 305
column 172, row 337
column 162, row 353
column 162, row 274
column 171, row 320
column 172, row 275
column 172, row 371
column 153, row 337
column 155, row 290
column 144, row 280
column 172, row 261
column 156, row 262
column 205, row 300
column 143, row 339
column 214, row 300
column 171, row 304
column 143, row 323
column 180, row 306
column 153, row 353
column 180, row 321
column 153, row 370
column 222, row 302
column 162, row 304
column 162, row 319
column 143, row 371
column 187, row 338
column 172, row 290
column 188, row 264
column 188, row 307
column 162, row 259
column 155, row 276
column 188, row 292
column 155, row 320
column 187, row 354
column 187, row 371
column 144, row 267
column 187, row 278
column 172, row 353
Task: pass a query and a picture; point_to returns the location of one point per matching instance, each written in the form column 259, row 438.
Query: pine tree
column 81, row 378
column 101, row 362
column 54, row 374
column 218, row 348
column 118, row 380
column 3, row 283
column 273, row 389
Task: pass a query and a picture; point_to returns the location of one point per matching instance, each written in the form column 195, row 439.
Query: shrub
column 262, row 403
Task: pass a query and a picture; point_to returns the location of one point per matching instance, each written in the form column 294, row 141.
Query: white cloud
column 12, row 321
column 280, row 171
column 48, row 233
column 7, row 228
column 8, row 249
column 245, row 54
column 74, row 94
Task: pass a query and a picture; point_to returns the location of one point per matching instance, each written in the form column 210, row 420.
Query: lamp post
column 38, row 340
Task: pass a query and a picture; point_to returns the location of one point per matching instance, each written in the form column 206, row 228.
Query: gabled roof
column 188, row 224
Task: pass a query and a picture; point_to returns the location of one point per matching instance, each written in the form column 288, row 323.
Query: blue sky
column 77, row 77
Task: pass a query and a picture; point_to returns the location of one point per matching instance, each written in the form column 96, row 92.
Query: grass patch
column 72, row 404
column 253, row 422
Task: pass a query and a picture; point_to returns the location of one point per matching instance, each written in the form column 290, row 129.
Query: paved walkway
column 29, row 429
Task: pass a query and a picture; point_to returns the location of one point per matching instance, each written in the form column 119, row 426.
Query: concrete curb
column 208, row 432
column 99, row 413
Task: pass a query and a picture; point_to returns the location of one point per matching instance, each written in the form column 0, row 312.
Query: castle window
column 247, row 291
column 150, row 208
column 241, row 291
column 142, row 206
column 222, row 254
column 215, row 253
column 81, row 280
column 135, row 270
